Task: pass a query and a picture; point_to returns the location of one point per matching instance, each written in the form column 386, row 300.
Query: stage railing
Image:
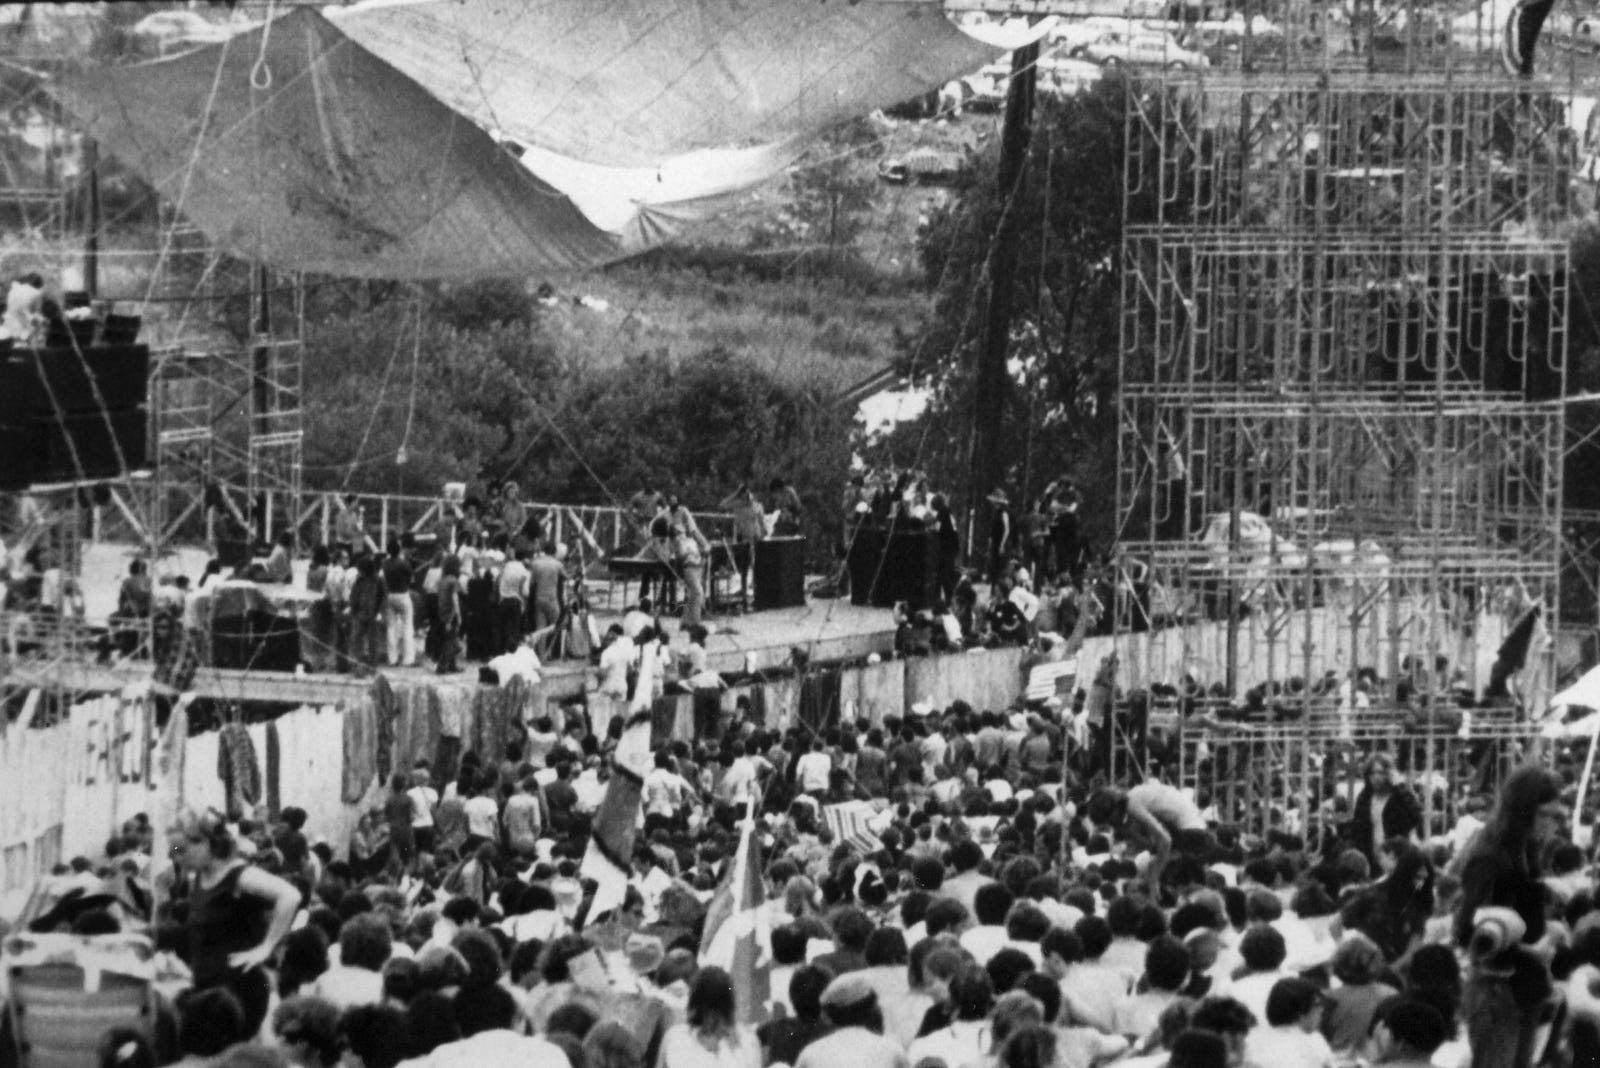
column 602, row 530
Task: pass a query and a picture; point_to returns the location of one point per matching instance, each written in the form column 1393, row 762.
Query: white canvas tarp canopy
column 371, row 146
column 633, row 83
column 294, row 146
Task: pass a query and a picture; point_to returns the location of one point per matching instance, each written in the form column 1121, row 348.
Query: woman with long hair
column 1394, row 911
column 1502, row 916
column 711, row 1038
column 1384, row 809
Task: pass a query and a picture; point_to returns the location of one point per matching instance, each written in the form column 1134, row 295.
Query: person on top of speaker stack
column 1002, row 533
column 949, row 547
column 24, row 302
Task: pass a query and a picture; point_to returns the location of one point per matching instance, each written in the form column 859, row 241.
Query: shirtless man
column 1157, row 816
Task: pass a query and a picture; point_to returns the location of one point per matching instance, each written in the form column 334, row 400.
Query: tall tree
column 1061, row 417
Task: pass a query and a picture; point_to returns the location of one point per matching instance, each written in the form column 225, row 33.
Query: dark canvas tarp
column 636, row 82
column 295, row 146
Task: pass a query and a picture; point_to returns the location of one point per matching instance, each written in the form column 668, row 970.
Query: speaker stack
column 886, row 568
column 780, row 573
column 69, row 415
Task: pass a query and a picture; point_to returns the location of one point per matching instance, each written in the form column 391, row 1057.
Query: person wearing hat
column 1002, row 537
column 850, row 1006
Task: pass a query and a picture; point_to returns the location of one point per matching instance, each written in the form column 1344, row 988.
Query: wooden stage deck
column 826, row 629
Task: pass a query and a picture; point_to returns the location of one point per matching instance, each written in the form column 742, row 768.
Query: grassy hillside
column 759, row 281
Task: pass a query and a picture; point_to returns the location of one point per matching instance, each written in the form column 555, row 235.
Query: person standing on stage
column 545, row 580
column 1002, row 533
column 749, row 527
column 690, row 550
column 513, row 586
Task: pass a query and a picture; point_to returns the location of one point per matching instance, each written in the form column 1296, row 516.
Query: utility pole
column 989, row 389
column 91, row 248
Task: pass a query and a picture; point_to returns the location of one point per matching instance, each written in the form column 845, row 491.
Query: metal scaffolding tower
column 226, row 391
column 1343, row 354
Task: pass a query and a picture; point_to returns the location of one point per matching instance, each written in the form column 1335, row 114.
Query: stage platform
column 827, row 630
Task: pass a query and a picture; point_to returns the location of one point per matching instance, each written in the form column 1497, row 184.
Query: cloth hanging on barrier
column 881, row 690
column 455, row 709
column 274, row 770
column 494, row 710
column 385, row 710
column 360, row 750
column 783, row 702
column 446, row 761
column 758, row 704
column 416, row 726
column 707, row 705
column 237, row 768
column 175, row 656
column 663, row 720
column 818, row 706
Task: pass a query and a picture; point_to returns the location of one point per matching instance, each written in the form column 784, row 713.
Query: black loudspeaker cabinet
column 780, row 573
column 885, row 569
column 67, row 380
column 259, row 641
column 17, row 445
column 89, row 445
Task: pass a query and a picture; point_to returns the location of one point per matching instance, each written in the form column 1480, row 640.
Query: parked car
column 922, row 166
column 1062, row 76
column 1139, row 47
column 1058, row 75
column 987, row 88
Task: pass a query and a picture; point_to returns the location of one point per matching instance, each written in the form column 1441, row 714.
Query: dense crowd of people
column 988, row 904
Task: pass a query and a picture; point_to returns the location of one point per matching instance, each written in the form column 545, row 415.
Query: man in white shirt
column 1290, row 1037
column 1166, row 970
column 424, row 799
column 814, row 770
column 1026, row 600
column 990, row 904
column 738, row 782
column 933, row 748
column 637, row 619
column 968, row 1039
column 1263, row 950
column 512, row 586
column 483, row 817
column 850, row 1006
column 665, row 791
column 1090, row 993
column 364, row 947
column 617, row 659
column 491, row 1011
